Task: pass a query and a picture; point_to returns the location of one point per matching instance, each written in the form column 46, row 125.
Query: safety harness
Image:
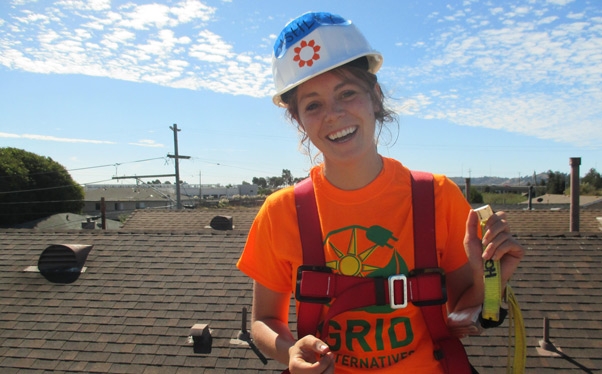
column 424, row 286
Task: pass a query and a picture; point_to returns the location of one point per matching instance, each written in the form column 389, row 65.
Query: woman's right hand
column 310, row 355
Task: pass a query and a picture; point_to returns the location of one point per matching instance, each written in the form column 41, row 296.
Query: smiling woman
column 361, row 210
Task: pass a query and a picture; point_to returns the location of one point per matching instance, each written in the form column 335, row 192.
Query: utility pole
column 177, row 174
column 177, row 157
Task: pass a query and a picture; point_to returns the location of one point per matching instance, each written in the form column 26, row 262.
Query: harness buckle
column 430, row 288
column 324, row 275
column 404, row 280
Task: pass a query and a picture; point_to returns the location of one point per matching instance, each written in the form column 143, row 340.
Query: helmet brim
column 375, row 61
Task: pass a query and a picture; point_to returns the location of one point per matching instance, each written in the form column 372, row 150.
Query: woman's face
column 337, row 113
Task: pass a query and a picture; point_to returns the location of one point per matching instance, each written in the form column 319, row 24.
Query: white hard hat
column 313, row 44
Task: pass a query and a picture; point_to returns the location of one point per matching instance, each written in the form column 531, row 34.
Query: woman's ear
column 378, row 92
column 299, row 124
column 377, row 95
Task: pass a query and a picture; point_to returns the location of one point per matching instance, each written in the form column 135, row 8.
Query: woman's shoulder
column 444, row 182
column 284, row 197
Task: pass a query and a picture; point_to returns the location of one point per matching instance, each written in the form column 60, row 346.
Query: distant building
column 122, row 199
column 217, row 192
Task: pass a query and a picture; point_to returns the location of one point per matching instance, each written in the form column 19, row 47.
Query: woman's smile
column 343, row 135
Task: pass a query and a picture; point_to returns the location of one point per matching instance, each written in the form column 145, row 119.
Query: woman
column 324, row 71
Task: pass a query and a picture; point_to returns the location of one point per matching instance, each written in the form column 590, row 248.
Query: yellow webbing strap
column 493, row 301
column 515, row 317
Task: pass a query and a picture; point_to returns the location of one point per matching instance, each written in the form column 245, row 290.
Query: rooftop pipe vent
column 200, row 337
column 221, row 223
column 63, row 263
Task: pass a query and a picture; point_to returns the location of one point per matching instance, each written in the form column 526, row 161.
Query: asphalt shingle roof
column 131, row 311
column 552, row 221
column 194, row 219
column 559, row 279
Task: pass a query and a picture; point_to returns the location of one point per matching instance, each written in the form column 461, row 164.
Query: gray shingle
column 132, row 310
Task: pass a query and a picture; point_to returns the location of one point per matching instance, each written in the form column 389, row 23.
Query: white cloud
column 8, row 135
column 193, row 9
column 523, row 71
column 145, row 16
column 575, row 15
column 547, row 20
column 94, row 5
column 560, row 2
column 49, row 138
column 140, row 43
column 526, row 68
column 147, row 143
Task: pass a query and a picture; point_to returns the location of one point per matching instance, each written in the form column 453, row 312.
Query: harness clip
column 396, row 278
column 319, row 276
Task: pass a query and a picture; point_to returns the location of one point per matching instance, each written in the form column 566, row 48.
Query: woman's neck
column 353, row 175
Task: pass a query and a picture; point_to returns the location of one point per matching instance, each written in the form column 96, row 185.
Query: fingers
column 498, row 240
column 472, row 241
column 310, row 355
column 500, row 245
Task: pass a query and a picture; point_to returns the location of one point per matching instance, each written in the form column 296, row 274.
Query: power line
column 38, row 189
column 117, row 164
column 89, row 167
column 40, row 202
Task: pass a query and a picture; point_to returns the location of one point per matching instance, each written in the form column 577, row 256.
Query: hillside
column 499, row 181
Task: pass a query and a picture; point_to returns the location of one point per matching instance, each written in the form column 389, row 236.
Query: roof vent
column 221, row 223
column 63, row 263
column 200, row 337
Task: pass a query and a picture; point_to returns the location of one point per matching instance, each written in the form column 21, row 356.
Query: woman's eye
column 311, row 106
column 347, row 94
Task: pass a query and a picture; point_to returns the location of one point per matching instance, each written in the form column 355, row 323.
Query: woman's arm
column 270, row 329
column 269, row 326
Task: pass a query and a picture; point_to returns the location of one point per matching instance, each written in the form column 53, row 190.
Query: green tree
column 556, row 182
column 593, row 179
column 475, row 196
column 33, row 186
column 275, row 182
column 287, row 177
column 261, row 182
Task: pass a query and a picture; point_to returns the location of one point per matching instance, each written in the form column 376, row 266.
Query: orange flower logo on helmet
column 306, row 53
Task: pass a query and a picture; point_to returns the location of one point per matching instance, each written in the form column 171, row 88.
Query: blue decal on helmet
column 303, row 25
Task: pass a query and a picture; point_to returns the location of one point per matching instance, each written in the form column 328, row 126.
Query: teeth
column 342, row 133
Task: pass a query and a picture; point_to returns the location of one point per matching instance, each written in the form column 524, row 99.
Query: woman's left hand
column 497, row 241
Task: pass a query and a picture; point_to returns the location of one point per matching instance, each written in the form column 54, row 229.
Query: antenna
column 245, row 336
column 548, row 349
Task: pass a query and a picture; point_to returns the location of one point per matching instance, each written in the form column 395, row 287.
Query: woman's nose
column 334, row 110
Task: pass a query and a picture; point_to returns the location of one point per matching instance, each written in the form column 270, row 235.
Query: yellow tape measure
column 492, row 276
column 493, row 301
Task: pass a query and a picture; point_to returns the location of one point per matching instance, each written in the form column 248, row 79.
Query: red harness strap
column 449, row 350
column 308, row 316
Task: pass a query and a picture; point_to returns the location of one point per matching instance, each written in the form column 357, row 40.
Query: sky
column 482, row 88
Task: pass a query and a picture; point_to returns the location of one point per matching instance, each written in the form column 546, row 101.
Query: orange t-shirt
column 367, row 233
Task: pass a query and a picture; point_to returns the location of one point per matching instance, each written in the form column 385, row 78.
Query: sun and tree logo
column 307, row 53
column 364, row 252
